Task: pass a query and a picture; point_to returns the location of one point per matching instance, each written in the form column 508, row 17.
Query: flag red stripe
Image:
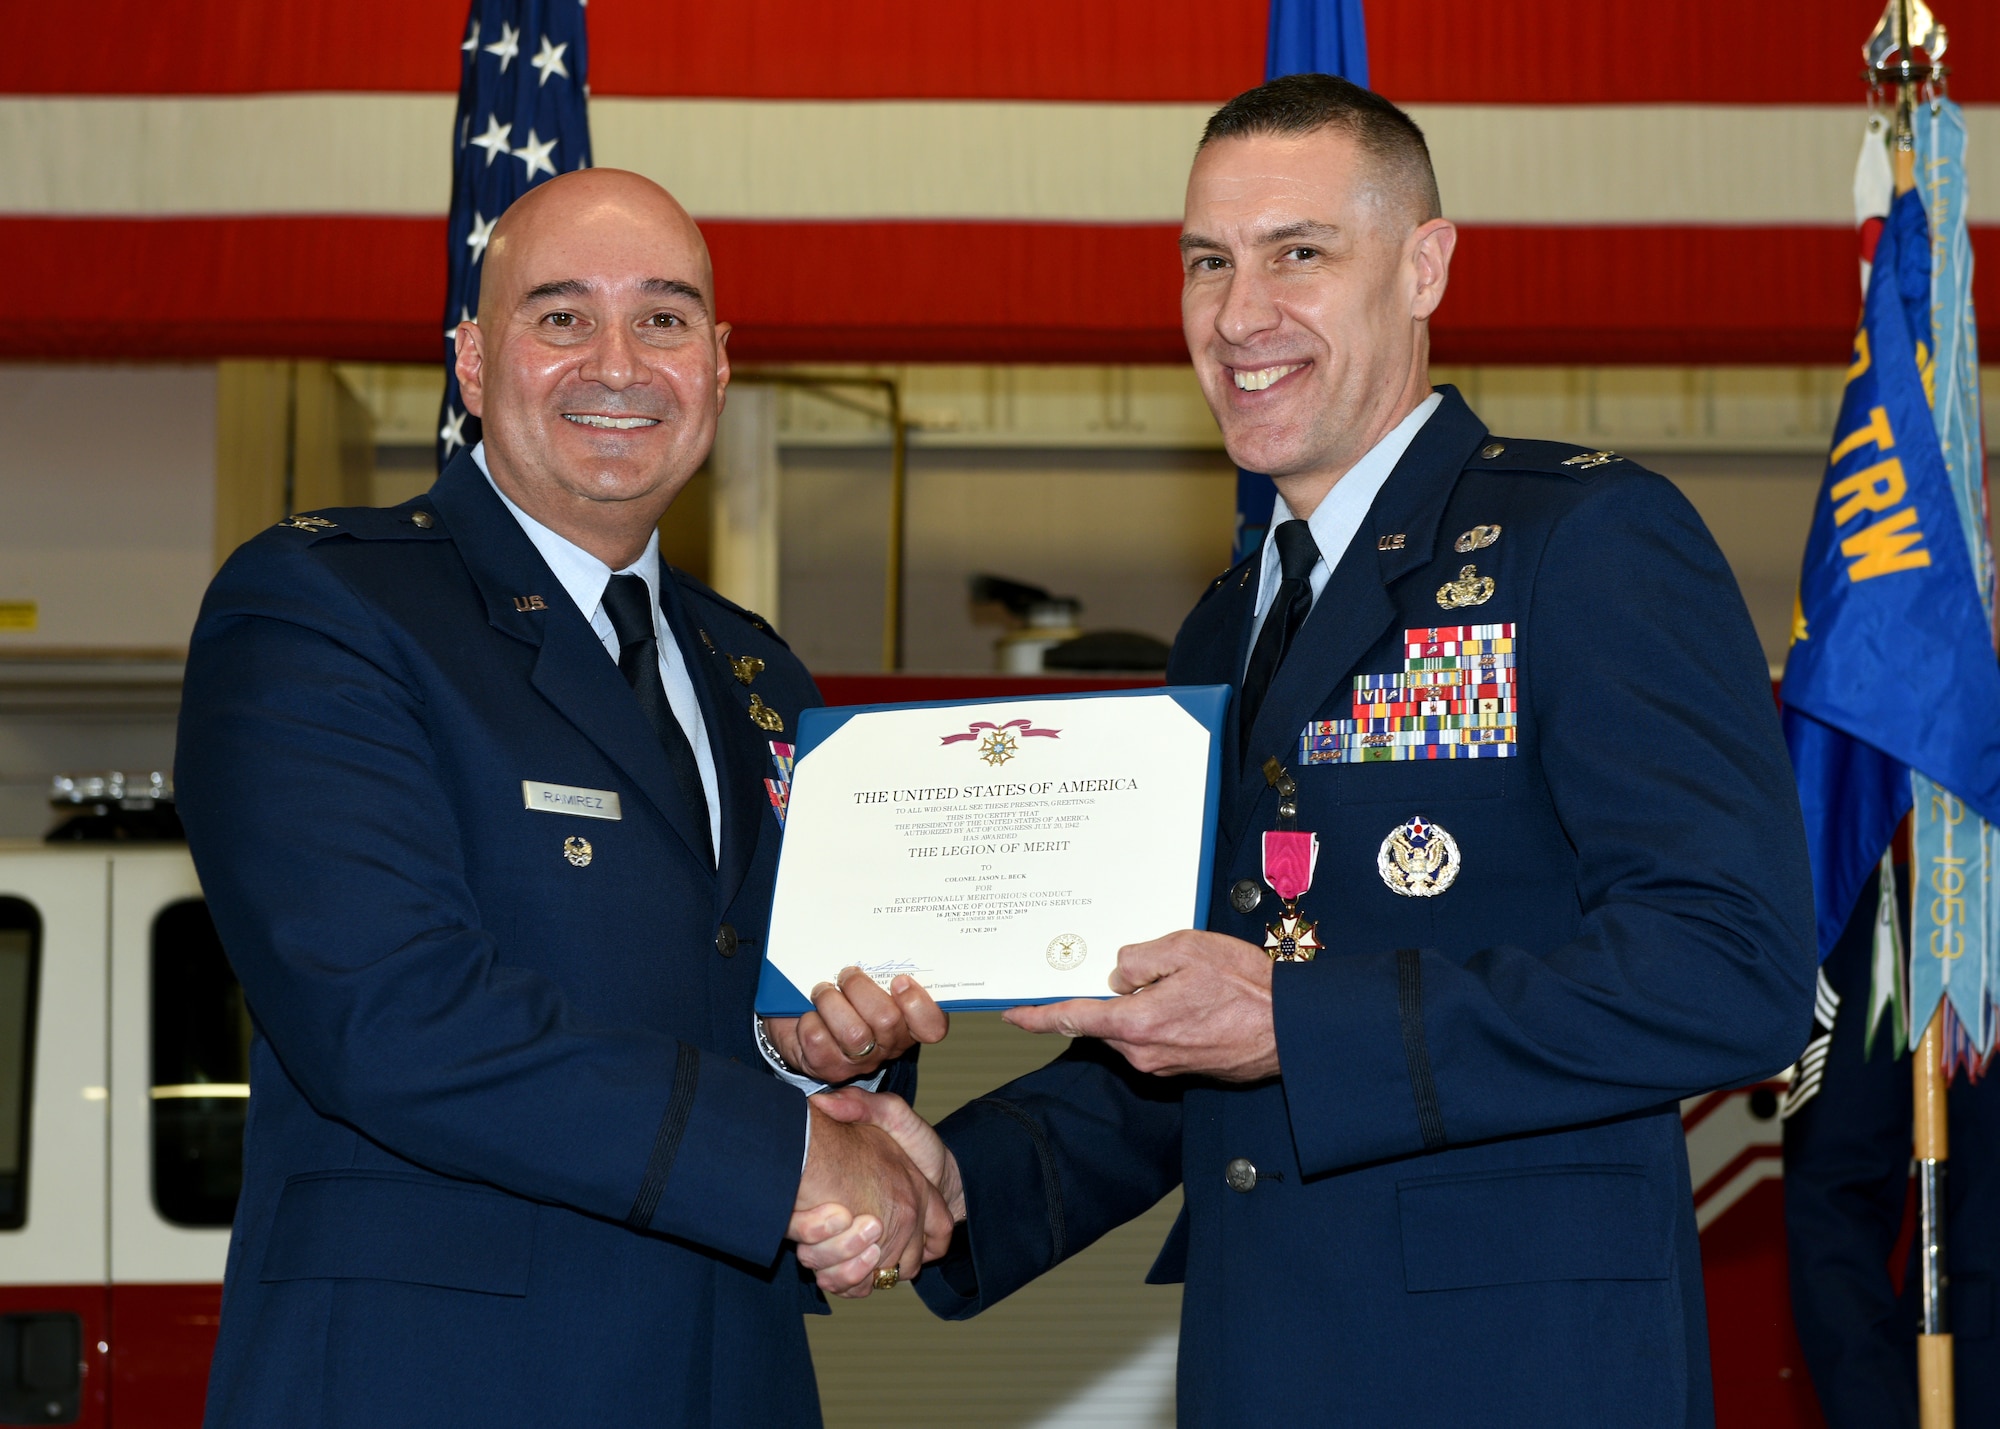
column 1700, row 52
column 1532, row 51
column 373, row 288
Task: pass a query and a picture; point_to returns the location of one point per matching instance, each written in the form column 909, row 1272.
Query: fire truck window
column 20, row 947
column 201, row 1070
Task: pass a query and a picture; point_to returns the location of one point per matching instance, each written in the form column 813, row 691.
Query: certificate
column 998, row 851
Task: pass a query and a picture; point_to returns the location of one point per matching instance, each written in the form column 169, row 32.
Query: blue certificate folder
column 1208, row 704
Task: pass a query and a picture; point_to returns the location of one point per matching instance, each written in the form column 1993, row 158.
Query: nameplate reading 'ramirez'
column 568, row 799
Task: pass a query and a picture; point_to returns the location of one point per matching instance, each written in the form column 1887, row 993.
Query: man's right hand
column 862, row 1190
column 837, row 1245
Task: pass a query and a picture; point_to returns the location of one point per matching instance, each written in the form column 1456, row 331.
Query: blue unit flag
column 1952, row 948
column 521, row 119
column 1891, row 666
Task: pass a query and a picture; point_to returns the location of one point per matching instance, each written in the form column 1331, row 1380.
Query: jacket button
column 1245, row 895
column 1240, row 1175
column 725, row 941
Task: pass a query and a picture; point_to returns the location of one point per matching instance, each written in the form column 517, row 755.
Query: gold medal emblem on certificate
column 998, row 746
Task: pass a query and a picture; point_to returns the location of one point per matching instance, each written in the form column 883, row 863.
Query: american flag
column 991, row 183
column 521, row 119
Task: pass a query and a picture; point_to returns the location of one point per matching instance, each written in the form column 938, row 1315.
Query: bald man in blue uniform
column 486, row 800
column 1424, row 1108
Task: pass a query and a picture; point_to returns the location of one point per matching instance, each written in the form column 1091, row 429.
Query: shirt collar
column 1335, row 520
column 581, row 574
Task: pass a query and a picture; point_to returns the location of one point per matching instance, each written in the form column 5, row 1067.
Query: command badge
column 1471, row 588
column 1418, row 859
column 577, row 851
column 764, row 717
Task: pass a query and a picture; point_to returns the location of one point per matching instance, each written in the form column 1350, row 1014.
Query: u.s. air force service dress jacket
column 1465, row 1198
column 512, row 1155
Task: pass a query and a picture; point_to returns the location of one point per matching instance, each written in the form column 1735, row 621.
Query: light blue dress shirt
column 585, row 578
column 1335, row 520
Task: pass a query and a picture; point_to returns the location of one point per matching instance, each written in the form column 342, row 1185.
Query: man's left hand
column 1194, row 1003
column 856, row 1026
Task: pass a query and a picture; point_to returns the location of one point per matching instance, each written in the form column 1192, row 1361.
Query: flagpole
column 1932, row 1137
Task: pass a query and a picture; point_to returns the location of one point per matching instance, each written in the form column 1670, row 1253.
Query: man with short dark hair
column 1509, row 861
column 484, row 799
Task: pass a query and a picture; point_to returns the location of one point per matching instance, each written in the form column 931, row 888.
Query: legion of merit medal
column 1289, row 860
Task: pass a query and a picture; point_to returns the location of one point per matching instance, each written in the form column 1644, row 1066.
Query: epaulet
column 414, row 520
column 1548, row 458
column 709, row 593
column 1240, row 571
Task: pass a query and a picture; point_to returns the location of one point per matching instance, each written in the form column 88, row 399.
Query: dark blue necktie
column 1297, row 555
column 630, row 606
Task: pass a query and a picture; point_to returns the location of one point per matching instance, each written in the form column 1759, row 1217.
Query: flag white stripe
column 946, row 159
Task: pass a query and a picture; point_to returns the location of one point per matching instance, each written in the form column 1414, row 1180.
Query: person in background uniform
column 1423, row 1092
column 485, row 800
column 1848, row 1131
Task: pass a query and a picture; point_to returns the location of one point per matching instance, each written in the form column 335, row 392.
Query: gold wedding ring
column 864, row 1052
column 886, row 1277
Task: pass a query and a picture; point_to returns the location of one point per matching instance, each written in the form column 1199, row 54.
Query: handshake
column 879, row 1197
column 881, row 1192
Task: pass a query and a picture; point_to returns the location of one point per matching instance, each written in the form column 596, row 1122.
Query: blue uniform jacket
column 512, row 1154
column 1847, row 1184
column 1470, row 1202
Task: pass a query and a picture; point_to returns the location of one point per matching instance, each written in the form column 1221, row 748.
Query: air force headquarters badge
column 1418, row 859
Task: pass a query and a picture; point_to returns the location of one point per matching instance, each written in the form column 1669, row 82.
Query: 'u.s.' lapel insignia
column 1418, row 859
column 747, row 667
column 1392, row 542
column 1471, row 588
column 577, row 851
column 530, row 602
column 1477, row 539
column 764, row 717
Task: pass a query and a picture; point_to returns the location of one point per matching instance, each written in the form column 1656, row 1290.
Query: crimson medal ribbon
column 1289, row 861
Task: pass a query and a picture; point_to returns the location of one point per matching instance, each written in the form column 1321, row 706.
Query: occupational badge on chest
column 1470, row 588
column 764, row 717
column 1418, row 859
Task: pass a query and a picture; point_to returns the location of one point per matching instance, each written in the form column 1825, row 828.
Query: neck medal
column 1289, row 860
